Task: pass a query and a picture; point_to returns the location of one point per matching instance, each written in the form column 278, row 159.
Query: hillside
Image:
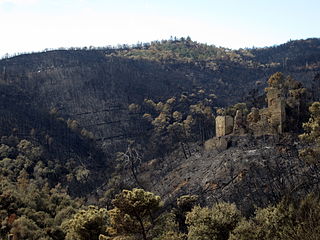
column 58, row 152
column 95, row 87
column 92, row 89
column 91, row 122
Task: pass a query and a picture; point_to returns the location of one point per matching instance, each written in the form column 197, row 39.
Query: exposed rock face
column 216, row 143
column 251, row 171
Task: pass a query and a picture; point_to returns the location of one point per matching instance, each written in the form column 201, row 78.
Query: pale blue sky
column 33, row 25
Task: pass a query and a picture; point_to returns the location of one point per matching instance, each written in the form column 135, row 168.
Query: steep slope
column 251, row 172
column 95, row 122
column 95, row 87
column 90, row 91
column 292, row 55
column 45, row 147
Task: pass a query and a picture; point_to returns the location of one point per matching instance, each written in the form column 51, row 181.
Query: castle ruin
column 267, row 121
column 224, row 125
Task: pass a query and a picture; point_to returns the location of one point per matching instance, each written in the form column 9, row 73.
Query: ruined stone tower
column 276, row 108
column 224, row 125
column 281, row 94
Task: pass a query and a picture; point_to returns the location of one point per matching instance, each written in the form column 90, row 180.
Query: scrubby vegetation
column 43, row 214
column 91, row 137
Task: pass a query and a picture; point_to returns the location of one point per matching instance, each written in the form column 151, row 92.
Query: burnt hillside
column 94, row 87
column 57, row 151
column 94, row 122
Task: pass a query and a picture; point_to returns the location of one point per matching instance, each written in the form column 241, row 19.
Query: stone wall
column 224, row 125
column 276, row 108
column 266, row 121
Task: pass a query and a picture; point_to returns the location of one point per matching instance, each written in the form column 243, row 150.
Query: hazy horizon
column 35, row 25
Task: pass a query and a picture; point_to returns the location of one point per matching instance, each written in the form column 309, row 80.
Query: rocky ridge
column 252, row 170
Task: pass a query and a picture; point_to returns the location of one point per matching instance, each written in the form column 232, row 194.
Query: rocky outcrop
column 253, row 171
column 216, row 143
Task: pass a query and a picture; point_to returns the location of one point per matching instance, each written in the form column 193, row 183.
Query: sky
column 35, row 25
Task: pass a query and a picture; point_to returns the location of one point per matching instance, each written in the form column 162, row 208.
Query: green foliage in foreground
column 86, row 224
column 283, row 221
column 133, row 213
column 312, row 135
column 29, row 213
column 212, row 223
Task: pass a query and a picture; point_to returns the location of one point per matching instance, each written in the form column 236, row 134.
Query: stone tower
column 276, row 108
column 224, row 125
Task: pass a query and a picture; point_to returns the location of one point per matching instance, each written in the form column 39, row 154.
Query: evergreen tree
column 133, row 213
column 213, row 223
column 312, row 135
column 87, row 224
